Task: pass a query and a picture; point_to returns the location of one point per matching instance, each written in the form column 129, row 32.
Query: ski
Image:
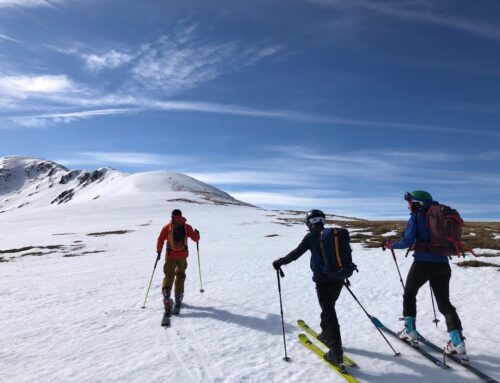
column 320, row 353
column 304, row 326
column 472, row 369
column 422, row 352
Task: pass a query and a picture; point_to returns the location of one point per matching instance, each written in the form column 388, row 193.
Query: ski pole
column 199, row 266
column 435, row 321
column 396, row 262
column 346, row 284
column 279, row 273
column 151, row 280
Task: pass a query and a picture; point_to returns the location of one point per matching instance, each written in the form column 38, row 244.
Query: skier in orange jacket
column 176, row 234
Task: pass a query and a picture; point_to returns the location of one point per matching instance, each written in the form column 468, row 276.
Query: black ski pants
column 438, row 275
column 328, row 293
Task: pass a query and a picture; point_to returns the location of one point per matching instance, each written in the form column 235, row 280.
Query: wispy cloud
column 121, row 158
column 5, row 37
column 419, row 11
column 29, row 3
column 174, row 62
column 148, row 104
column 41, row 120
column 186, row 59
column 109, row 60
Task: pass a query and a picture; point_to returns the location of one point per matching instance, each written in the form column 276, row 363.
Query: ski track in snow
column 79, row 319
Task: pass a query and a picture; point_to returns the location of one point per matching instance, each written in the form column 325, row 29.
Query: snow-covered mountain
column 37, row 182
column 75, row 273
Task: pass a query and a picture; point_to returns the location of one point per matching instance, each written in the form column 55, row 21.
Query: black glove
column 159, row 255
column 278, row 263
column 196, row 231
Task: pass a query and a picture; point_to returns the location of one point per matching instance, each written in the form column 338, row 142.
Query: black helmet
column 315, row 217
column 176, row 212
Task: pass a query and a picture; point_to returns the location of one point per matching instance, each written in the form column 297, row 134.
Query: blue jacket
column 417, row 230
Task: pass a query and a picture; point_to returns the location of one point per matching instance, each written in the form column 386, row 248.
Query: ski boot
column 456, row 346
column 335, row 355
column 177, row 306
column 409, row 333
column 167, row 303
column 325, row 338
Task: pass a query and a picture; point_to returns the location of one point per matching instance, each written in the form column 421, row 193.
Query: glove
column 278, row 263
column 387, row 244
column 159, row 255
column 196, row 231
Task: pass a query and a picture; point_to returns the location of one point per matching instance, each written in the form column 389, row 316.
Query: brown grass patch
column 100, row 234
column 476, row 264
column 183, row 200
column 21, row 249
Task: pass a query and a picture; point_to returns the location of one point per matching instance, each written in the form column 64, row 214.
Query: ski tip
column 304, row 339
column 301, row 322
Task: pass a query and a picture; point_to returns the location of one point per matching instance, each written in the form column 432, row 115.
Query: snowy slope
column 40, row 183
column 71, row 301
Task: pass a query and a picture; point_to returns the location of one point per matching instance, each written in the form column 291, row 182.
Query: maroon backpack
column 445, row 232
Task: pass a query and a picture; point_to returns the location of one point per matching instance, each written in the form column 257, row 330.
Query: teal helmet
column 419, row 197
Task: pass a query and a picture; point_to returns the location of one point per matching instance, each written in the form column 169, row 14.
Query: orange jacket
column 166, row 234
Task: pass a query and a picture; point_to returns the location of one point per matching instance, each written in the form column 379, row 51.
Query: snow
column 390, row 234
column 79, row 318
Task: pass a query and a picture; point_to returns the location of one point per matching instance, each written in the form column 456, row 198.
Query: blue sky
column 293, row 104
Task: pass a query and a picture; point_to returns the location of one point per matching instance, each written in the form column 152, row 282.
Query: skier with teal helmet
column 427, row 267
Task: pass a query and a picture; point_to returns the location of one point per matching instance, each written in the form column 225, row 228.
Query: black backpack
column 337, row 253
column 179, row 232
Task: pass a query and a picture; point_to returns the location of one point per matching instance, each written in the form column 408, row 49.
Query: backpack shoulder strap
column 337, row 249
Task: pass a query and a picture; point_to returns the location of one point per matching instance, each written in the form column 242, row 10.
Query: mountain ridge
column 39, row 182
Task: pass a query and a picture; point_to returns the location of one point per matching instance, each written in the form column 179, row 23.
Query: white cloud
column 29, row 3
column 186, row 59
column 5, row 37
column 110, row 101
column 24, row 86
column 121, row 158
column 109, row 60
column 42, row 120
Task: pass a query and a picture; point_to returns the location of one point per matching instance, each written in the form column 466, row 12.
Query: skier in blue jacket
column 427, row 267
